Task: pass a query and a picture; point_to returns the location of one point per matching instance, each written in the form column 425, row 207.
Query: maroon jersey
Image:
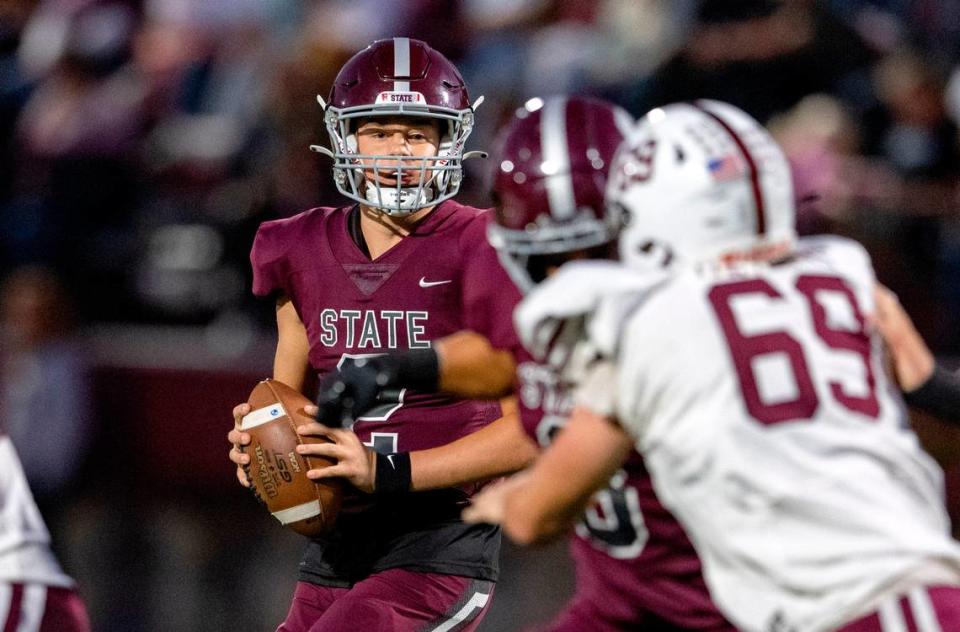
column 354, row 307
column 634, row 561
column 423, row 288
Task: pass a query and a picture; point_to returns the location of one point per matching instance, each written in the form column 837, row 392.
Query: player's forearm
column 911, row 359
column 471, row 368
column 926, row 386
column 498, row 449
column 913, row 363
column 581, row 461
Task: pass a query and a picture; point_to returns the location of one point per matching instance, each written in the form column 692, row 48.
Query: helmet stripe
column 758, row 201
column 401, row 63
column 556, row 159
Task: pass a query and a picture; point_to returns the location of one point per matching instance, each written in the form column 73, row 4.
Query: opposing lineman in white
column 741, row 361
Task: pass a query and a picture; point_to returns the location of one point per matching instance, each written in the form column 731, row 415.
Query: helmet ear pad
column 444, row 150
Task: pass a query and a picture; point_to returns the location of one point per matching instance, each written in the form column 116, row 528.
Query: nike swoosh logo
column 390, row 458
column 425, row 283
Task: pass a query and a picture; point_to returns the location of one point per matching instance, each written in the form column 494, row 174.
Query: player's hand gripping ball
column 277, row 473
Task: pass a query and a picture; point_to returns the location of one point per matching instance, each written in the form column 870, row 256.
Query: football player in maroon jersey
column 396, row 269
column 635, row 566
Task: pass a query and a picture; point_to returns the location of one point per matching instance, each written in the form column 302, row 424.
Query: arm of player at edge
column 911, row 360
column 544, row 501
column 290, row 366
column 926, row 386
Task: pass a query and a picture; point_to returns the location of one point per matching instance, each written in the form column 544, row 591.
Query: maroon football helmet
column 398, row 77
column 549, row 176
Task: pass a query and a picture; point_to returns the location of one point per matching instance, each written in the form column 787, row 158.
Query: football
column 278, row 474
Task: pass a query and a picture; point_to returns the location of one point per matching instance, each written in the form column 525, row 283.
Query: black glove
column 353, row 389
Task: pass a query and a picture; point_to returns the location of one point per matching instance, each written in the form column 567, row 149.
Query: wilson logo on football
column 400, row 97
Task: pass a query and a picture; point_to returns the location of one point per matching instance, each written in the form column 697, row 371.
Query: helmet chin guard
column 398, row 77
column 397, row 200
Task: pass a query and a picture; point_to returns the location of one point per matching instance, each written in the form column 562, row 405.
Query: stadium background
column 141, row 143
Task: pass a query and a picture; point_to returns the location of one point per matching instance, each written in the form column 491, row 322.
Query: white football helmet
column 701, row 182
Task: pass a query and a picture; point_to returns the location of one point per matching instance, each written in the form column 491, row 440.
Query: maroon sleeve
column 489, row 295
column 269, row 260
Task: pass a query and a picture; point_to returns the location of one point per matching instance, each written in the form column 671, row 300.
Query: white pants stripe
column 923, row 612
column 891, row 616
column 919, row 606
column 6, row 595
column 29, row 611
column 32, row 607
column 466, row 613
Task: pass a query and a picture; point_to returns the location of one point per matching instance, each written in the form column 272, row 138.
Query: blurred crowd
column 143, row 141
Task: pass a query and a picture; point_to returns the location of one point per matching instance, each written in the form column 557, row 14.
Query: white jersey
column 25, row 555
column 766, row 418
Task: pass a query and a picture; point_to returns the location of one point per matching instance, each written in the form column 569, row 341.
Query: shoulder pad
column 843, row 255
column 575, row 305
